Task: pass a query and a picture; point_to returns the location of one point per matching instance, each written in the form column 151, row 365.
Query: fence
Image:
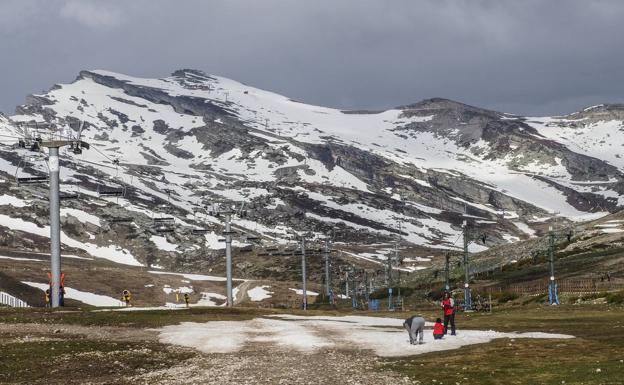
column 575, row 286
column 9, row 300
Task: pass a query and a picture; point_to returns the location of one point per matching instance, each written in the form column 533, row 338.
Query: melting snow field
column 82, row 296
column 259, row 293
column 384, row 336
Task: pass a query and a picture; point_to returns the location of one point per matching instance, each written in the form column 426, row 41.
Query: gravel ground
column 21, row 332
column 258, row 367
column 257, row 363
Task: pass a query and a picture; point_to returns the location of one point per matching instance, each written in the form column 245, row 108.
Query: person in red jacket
column 448, row 306
column 438, row 329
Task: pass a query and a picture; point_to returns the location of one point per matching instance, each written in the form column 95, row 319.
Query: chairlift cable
column 91, row 162
column 11, row 136
column 103, row 154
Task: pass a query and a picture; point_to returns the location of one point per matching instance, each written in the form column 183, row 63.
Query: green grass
column 76, row 361
column 599, row 345
column 155, row 318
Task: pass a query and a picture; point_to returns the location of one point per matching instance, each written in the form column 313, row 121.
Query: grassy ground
column 34, row 355
column 81, row 361
column 147, row 319
column 596, row 356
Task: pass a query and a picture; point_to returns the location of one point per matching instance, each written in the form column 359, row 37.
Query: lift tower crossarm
column 63, row 143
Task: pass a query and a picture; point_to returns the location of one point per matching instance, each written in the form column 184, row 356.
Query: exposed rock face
column 189, row 140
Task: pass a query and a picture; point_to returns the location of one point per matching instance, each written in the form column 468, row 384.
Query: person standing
column 415, row 327
column 448, row 307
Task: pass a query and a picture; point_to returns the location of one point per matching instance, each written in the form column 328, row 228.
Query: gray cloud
column 529, row 57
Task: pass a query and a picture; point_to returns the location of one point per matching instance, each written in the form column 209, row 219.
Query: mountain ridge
column 414, row 172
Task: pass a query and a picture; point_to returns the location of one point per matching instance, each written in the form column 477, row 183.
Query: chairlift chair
column 245, row 249
column 29, row 180
column 63, row 195
column 120, row 220
column 163, row 224
column 76, row 148
column 200, row 231
column 36, row 144
column 109, row 191
column 251, row 238
column 73, row 194
column 163, row 221
column 164, row 229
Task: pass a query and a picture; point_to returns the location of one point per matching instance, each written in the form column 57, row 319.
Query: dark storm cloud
column 529, row 57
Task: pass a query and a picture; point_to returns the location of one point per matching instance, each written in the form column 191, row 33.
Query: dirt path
column 241, row 295
column 258, row 366
column 258, row 362
column 270, row 361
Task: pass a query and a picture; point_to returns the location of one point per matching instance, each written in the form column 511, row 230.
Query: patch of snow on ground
column 21, row 259
column 608, row 225
column 308, row 292
column 259, row 293
column 82, row 216
column 147, row 308
column 111, row 252
column 195, row 277
column 525, row 228
column 208, row 299
column 384, row 336
column 612, row 231
column 82, row 296
column 162, row 243
column 12, row 201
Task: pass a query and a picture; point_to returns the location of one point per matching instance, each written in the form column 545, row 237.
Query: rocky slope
column 180, row 144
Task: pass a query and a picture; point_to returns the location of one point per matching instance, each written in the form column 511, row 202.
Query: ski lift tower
column 327, row 250
column 55, row 212
column 392, row 261
column 447, row 285
column 301, row 238
column 227, row 211
column 326, row 253
column 467, row 293
column 553, row 297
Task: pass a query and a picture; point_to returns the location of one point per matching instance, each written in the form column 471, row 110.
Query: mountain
column 179, row 144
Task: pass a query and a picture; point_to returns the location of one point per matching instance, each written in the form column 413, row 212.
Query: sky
column 527, row 57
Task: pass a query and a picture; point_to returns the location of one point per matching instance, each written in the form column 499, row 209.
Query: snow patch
column 259, row 293
column 308, row 292
column 82, row 296
column 384, row 336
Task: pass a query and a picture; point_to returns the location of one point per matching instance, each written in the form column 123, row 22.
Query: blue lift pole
column 553, row 296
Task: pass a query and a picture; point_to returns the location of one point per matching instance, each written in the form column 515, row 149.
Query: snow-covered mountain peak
column 413, row 172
